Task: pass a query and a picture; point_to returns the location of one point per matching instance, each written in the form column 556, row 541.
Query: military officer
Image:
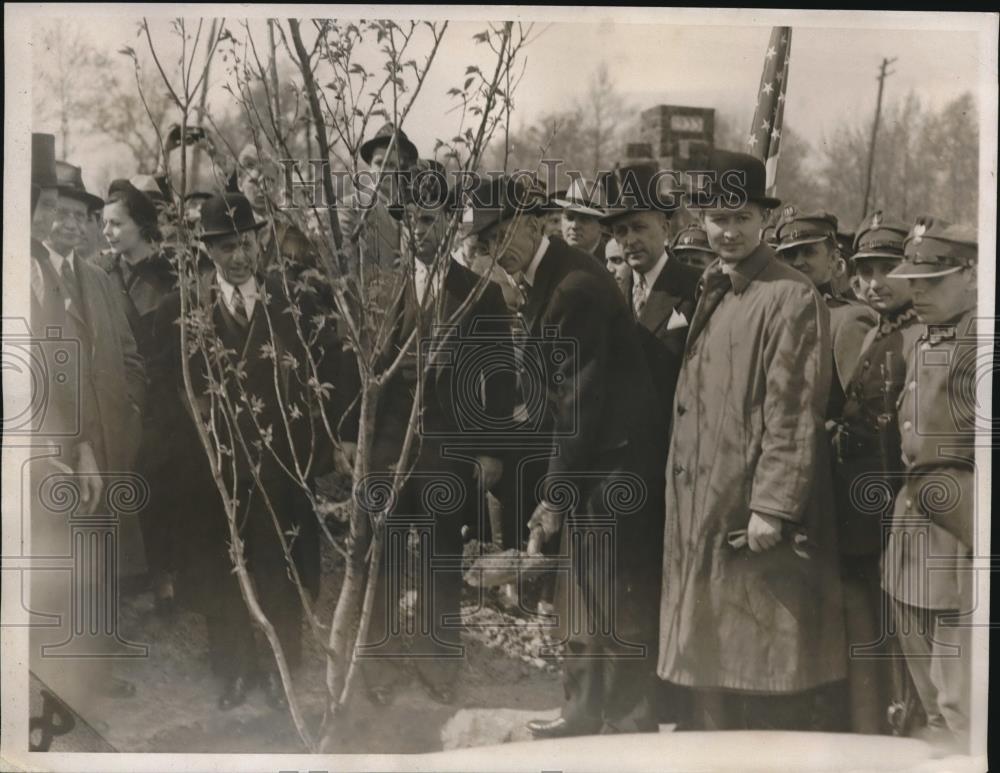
column 868, row 459
column 807, row 241
column 691, row 246
column 927, row 564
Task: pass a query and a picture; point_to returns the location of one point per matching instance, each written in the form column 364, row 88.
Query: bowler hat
column 43, row 161
column 637, row 187
column 383, row 137
column 733, row 179
column 879, row 238
column 69, row 180
column 497, row 199
column 796, row 228
column 227, row 213
column 935, row 247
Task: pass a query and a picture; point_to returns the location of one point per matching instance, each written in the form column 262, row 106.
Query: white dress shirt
column 529, row 272
column 653, row 274
column 422, row 279
column 248, row 290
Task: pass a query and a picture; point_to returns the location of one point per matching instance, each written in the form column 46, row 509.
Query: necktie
column 240, row 308
column 640, row 293
column 713, row 289
column 68, row 278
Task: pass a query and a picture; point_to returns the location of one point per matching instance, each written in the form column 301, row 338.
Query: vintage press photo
column 514, row 388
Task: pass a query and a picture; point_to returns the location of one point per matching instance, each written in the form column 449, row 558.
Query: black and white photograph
column 497, row 388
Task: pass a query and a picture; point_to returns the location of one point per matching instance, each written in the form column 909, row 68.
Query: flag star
column 784, row 39
column 771, row 53
column 781, row 97
column 765, row 125
column 779, row 76
column 775, row 134
column 752, row 140
column 768, row 88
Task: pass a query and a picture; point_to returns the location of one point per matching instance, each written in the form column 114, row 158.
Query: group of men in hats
column 714, row 372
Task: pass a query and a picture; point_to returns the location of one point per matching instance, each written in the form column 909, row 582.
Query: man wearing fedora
column 927, row 566
column 601, row 415
column 370, row 233
column 451, row 328
column 751, row 615
column 97, row 412
column 867, row 454
column 250, row 332
column 583, row 207
column 660, row 288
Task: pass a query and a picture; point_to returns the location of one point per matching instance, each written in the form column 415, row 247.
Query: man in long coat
column 240, row 324
column 93, row 414
column 751, row 613
column 459, row 325
column 600, row 414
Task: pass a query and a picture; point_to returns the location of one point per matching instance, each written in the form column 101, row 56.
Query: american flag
column 764, row 141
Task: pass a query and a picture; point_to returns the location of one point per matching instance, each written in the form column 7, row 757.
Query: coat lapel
column 662, row 301
column 90, row 296
column 540, row 290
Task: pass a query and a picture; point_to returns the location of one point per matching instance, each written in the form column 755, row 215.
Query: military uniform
column 850, row 320
column 866, row 470
column 691, row 247
column 927, row 568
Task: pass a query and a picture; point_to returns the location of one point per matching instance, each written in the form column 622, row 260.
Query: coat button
column 911, row 386
column 909, row 504
column 680, row 409
column 907, row 425
column 678, row 469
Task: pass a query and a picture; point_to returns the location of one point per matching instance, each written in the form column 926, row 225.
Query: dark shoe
column 119, row 688
column 274, row 692
column 235, row 693
column 555, row 728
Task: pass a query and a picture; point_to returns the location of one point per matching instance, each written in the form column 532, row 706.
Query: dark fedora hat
column 227, row 213
column 43, row 161
column 70, row 184
column 638, row 187
column 496, row 199
column 383, row 137
column 733, row 179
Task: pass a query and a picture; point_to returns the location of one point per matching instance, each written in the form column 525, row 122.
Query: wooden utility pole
column 871, row 147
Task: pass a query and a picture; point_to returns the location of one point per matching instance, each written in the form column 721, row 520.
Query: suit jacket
column 469, row 379
column 603, row 419
column 272, row 358
column 672, row 294
column 106, row 391
column 600, row 397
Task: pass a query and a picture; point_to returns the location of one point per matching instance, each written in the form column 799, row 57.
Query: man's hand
column 91, row 485
column 488, row 471
column 344, row 457
column 763, row 532
column 544, row 524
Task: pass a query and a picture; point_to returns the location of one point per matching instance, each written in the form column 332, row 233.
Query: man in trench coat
column 751, row 614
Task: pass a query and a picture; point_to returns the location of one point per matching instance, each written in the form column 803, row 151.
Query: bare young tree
column 344, row 100
column 63, row 66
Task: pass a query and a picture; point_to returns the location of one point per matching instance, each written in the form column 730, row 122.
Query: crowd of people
column 791, row 411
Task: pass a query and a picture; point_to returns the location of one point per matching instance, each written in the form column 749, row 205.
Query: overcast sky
column 699, row 58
